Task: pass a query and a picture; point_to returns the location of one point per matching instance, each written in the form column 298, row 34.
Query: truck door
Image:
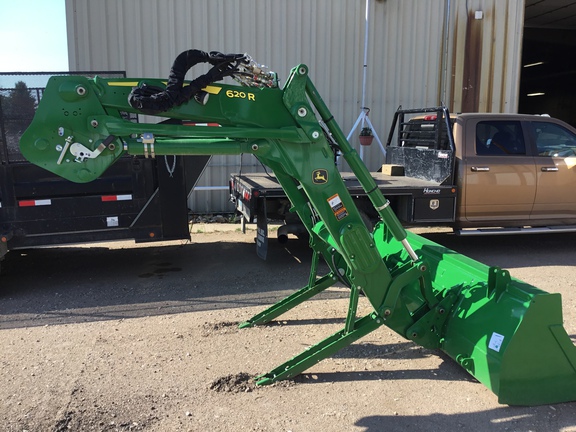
column 500, row 177
column 555, row 170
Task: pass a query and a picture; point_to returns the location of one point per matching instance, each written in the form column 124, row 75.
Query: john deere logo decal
column 320, row 176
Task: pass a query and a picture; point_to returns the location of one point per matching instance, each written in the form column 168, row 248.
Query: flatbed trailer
column 258, row 198
column 417, row 179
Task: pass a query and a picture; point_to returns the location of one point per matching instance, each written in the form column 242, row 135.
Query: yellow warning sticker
column 208, row 89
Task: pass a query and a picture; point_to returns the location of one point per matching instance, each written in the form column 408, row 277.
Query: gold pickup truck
column 477, row 173
column 512, row 172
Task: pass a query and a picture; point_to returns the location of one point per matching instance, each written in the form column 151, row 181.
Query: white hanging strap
column 172, row 168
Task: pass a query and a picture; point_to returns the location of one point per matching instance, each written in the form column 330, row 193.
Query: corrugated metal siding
column 414, row 58
column 486, row 55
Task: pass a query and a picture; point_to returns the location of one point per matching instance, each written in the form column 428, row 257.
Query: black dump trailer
column 138, row 198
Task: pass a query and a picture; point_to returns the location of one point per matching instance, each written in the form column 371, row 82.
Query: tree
column 18, row 108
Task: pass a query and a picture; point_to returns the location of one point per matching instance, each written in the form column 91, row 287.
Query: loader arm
column 481, row 317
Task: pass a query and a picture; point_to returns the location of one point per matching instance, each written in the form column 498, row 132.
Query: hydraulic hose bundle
column 153, row 100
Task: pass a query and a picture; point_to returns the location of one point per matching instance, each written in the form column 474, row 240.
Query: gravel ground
column 124, row 337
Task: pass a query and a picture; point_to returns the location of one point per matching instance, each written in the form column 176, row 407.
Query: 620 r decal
column 241, row 95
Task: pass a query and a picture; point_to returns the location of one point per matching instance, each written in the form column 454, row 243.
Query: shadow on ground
column 75, row 284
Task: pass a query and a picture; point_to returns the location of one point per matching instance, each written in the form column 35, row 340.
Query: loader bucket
column 506, row 333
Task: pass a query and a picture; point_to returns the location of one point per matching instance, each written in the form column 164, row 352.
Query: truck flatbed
column 415, row 200
column 391, row 184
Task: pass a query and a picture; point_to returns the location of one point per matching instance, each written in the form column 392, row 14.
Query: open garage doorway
column 548, row 76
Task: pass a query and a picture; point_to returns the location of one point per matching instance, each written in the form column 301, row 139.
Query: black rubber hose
column 154, row 100
column 180, row 67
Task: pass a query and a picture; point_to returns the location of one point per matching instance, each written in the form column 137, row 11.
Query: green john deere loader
column 506, row 333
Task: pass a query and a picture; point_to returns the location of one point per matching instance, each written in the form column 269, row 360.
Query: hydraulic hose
column 154, row 100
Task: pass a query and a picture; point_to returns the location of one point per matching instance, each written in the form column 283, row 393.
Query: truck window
column 499, row 138
column 553, row 140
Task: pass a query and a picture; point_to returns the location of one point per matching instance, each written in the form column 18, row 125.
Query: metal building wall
column 419, row 53
column 486, row 61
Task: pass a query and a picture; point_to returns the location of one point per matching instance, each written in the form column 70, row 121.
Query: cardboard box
column 393, row 170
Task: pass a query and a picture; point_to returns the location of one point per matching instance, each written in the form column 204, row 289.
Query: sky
column 33, row 36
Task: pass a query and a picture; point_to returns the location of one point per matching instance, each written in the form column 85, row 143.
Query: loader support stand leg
column 352, row 307
column 320, row 351
column 313, row 268
column 314, row 287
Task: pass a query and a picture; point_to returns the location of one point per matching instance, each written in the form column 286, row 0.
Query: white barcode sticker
column 496, row 342
column 112, row 221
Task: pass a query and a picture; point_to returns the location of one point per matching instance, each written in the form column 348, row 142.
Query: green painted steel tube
column 196, row 146
column 321, row 350
column 380, row 203
column 291, row 301
column 115, row 126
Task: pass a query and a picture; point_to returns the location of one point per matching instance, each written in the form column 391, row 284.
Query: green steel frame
column 506, row 333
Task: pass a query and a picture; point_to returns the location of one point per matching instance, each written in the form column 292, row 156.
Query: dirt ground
column 124, row 337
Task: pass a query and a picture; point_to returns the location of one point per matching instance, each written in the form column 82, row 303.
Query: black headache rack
column 137, row 198
column 420, row 147
column 424, row 144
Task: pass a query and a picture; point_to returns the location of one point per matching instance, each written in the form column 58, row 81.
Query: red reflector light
column 430, row 117
column 256, row 193
column 106, row 198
